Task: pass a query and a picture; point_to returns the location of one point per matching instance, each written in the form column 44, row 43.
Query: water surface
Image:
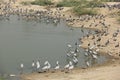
column 22, row 41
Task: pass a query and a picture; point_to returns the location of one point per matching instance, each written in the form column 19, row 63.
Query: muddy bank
column 104, row 72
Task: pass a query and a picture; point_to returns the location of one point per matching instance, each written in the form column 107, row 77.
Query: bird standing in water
column 33, row 66
column 38, row 65
column 21, row 67
column 57, row 65
column 47, row 66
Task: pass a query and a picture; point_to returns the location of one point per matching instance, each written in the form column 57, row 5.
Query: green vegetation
column 94, row 3
column 42, row 2
column 84, row 11
column 118, row 18
column 110, row 0
column 85, row 3
column 26, row 3
column 81, row 7
column 68, row 3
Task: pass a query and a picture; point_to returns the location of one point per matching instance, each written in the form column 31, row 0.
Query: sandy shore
column 108, row 72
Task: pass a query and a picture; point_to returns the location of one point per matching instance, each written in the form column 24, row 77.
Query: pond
column 24, row 41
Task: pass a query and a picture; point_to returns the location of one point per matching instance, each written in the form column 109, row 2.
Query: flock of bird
column 71, row 59
column 49, row 16
column 7, row 10
column 36, row 66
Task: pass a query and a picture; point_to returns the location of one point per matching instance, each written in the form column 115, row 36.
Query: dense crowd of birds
column 7, row 10
column 50, row 16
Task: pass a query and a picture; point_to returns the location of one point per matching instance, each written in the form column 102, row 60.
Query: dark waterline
column 22, row 41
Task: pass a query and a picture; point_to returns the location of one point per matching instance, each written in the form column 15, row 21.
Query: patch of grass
column 81, row 7
column 68, row 3
column 85, row 3
column 94, row 3
column 26, row 3
column 118, row 19
column 109, row 0
column 84, row 11
column 42, row 2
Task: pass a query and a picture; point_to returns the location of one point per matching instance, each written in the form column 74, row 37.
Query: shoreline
column 103, row 72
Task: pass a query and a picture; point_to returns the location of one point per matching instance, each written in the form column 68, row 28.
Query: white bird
column 66, row 66
column 86, row 54
column 69, row 45
column 87, row 63
column 79, row 45
column 76, row 50
column 33, row 64
column 90, row 51
column 38, row 65
column 12, row 75
column 71, row 66
column 47, row 21
column 57, row 66
column 93, row 46
column 46, row 62
column 97, row 50
column 94, row 56
column 21, row 65
column 55, row 21
column 72, row 52
column 75, row 60
column 86, row 50
column 47, row 66
column 68, row 54
column 75, row 55
column 94, row 52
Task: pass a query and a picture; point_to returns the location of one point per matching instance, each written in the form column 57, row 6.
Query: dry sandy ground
column 109, row 72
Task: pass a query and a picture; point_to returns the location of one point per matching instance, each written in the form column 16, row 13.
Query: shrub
column 93, row 4
column 42, row 2
column 25, row 3
column 84, row 11
column 68, row 3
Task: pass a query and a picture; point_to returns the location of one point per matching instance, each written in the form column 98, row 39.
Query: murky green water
column 22, row 41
